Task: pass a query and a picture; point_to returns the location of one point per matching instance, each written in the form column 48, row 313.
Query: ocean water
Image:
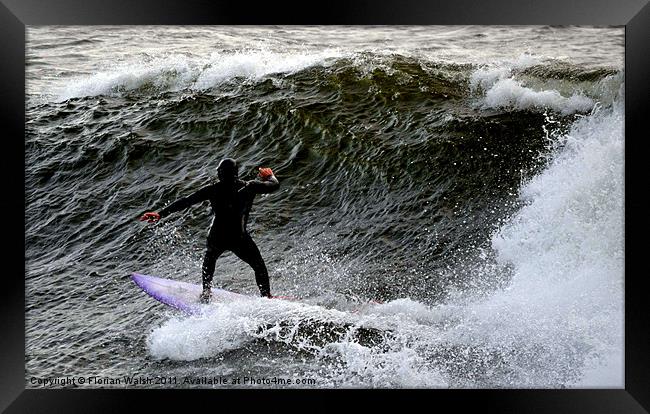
column 450, row 211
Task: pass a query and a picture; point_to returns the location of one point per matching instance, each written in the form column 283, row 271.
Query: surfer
column 231, row 199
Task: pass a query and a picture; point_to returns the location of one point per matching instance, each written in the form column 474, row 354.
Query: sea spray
column 566, row 246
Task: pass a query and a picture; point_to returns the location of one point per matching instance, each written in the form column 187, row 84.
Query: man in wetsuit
column 231, row 200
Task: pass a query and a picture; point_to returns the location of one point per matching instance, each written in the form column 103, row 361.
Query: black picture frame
column 16, row 14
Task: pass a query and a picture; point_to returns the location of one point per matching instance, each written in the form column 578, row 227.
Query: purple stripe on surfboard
column 171, row 292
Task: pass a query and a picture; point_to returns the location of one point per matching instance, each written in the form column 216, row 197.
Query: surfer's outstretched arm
column 181, row 204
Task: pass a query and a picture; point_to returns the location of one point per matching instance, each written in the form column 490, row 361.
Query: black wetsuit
column 231, row 203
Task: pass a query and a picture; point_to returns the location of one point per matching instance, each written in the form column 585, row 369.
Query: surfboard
column 184, row 296
column 181, row 295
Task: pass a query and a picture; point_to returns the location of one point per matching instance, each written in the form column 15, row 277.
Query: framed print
column 232, row 201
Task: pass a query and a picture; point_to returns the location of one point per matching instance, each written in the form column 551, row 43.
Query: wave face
column 475, row 190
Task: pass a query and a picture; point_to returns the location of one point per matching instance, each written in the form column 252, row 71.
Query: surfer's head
column 227, row 170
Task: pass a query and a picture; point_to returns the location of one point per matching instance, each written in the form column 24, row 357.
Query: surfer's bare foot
column 205, row 296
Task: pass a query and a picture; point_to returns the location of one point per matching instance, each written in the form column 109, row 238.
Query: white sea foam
column 509, row 93
column 226, row 326
column 200, row 337
column 183, row 72
column 566, row 246
column 172, row 73
column 501, row 89
column 372, row 367
column 486, row 77
column 258, row 64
